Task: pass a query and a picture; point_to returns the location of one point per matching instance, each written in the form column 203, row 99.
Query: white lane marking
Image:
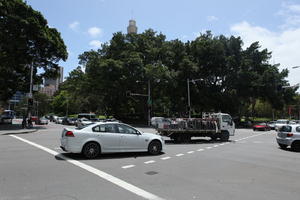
column 222, row 144
column 190, row 152
column 57, row 148
column 128, row 166
column 165, row 158
column 149, row 162
column 127, row 186
column 180, row 154
column 208, row 147
column 216, row 145
column 200, row 150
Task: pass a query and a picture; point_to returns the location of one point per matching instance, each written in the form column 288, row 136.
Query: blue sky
column 85, row 25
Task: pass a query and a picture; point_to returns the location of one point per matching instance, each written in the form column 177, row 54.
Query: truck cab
column 226, row 123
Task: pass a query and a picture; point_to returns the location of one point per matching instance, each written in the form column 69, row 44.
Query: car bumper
column 285, row 141
column 70, row 145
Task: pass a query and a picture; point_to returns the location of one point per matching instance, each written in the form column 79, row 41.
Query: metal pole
column 189, row 99
column 67, row 107
column 31, row 74
column 30, row 89
column 149, row 103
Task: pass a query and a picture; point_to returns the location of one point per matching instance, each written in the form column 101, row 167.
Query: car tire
column 155, row 147
column 254, row 129
column 91, row 150
column 283, row 146
column 296, row 146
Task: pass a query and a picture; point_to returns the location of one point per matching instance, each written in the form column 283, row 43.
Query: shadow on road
column 106, row 156
column 289, row 149
column 8, row 127
column 196, row 141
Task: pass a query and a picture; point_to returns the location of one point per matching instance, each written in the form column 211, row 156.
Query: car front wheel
column 296, row 146
column 154, row 147
column 91, row 150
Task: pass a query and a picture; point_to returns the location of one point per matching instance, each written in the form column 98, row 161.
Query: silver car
column 109, row 137
column 289, row 135
column 280, row 122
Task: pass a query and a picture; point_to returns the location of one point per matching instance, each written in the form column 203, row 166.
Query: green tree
column 26, row 39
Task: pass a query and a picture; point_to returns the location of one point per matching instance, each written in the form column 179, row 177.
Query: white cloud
column 95, row 44
column 212, row 18
column 291, row 15
column 294, row 7
column 95, row 31
column 284, row 45
column 74, row 26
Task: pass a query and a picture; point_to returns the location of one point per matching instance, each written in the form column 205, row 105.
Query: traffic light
column 30, row 102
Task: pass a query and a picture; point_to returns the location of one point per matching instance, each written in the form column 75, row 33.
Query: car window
column 226, row 118
column 285, row 129
column 105, row 128
column 298, row 128
column 82, row 127
column 126, row 129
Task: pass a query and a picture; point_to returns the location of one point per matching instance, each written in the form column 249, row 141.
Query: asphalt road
column 250, row 166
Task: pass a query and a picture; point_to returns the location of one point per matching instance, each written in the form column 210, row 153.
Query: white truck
column 213, row 125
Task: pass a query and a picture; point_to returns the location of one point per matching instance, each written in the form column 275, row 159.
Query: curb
column 22, row 132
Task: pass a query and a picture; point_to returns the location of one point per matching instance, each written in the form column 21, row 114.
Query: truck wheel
column 186, row 139
column 182, row 139
column 178, row 139
column 214, row 137
column 224, row 136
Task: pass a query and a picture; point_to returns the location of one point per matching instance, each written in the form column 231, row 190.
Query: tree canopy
column 230, row 78
column 26, row 39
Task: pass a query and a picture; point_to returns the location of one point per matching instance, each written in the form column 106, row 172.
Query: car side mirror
column 138, row 133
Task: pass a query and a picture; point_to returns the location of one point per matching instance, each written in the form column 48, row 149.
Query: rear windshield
column 82, row 127
column 286, row 129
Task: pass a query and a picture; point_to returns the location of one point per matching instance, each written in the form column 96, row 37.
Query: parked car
column 280, row 122
column 83, row 122
column 109, row 137
column 271, row 124
column 69, row 121
column 7, row 117
column 160, row 122
column 289, row 135
column 261, row 127
column 59, row 120
column 42, row 120
column 86, row 115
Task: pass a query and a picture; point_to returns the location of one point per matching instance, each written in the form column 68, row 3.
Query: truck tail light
column 289, row 135
column 69, row 134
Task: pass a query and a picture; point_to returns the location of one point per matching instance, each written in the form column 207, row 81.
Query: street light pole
column 188, row 91
column 149, row 103
column 189, row 98
column 30, row 91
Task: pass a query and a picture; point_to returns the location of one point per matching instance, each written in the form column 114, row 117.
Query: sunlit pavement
column 249, row 166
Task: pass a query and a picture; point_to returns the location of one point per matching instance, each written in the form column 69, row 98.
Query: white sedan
column 109, row 137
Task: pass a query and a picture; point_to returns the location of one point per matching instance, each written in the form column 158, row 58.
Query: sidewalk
column 15, row 128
